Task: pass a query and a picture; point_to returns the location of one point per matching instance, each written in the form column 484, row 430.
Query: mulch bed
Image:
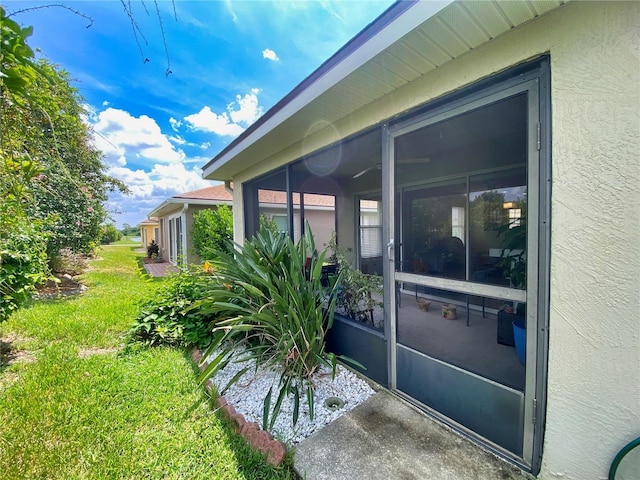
column 65, row 287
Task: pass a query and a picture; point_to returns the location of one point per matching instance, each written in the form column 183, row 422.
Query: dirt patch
column 10, row 354
column 65, row 286
column 89, row 352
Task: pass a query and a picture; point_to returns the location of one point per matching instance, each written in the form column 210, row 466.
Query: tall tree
column 42, row 121
column 52, row 180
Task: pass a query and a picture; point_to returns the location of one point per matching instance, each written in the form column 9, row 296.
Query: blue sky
column 230, row 61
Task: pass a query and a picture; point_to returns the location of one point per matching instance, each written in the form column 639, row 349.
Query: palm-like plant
column 269, row 299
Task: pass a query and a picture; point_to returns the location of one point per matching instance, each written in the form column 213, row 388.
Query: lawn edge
column 260, row 440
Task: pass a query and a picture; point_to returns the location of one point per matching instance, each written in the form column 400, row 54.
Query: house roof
column 150, row 221
column 409, row 40
column 218, row 195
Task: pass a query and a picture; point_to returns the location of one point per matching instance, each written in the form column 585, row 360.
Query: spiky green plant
column 271, row 302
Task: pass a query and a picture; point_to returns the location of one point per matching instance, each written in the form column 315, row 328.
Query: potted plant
column 153, row 249
column 358, row 293
column 513, row 261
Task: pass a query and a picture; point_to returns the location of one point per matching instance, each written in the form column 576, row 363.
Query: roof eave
column 174, row 203
column 389, row 27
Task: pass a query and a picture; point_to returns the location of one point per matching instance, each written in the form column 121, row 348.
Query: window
column 457, row 222
column 370, row 229
column 515, row 214
column 281, row 222
column 370, row 223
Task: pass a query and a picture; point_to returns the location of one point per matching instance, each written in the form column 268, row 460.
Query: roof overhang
column 407, row 41
column 174, row 204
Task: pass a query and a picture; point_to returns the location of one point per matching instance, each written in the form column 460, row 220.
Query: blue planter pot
column 520, row 339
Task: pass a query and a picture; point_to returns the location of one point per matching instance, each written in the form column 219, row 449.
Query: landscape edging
column 258, row 439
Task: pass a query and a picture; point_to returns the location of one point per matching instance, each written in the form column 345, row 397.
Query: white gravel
column 247, row 397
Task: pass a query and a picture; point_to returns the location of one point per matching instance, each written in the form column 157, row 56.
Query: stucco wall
column 594, row 354
column 593, row 404
column 147, row 233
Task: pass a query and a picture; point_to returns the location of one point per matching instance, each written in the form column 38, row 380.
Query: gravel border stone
column 246, row 398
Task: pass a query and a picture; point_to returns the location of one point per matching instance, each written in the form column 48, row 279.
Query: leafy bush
column 153, row 249
column 358, row 292
column 166, row 318
column 270, row 300
column 109, row 234
column 41, row 119
column 212, row 231
column 69, row 262
column 23, row 264
column 130, row 231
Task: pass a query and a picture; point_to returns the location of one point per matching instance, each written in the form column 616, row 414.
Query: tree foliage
column 212, row 231
column 53, row 183
column 109, row 234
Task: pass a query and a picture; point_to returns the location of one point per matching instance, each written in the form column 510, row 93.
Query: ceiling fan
column 402, row 161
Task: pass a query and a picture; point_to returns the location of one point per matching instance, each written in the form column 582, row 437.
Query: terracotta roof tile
column 220, row 193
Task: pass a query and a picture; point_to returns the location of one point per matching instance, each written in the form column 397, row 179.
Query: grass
column 86, row 408
column 126, row 241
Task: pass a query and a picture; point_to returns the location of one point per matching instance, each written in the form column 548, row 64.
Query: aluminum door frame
column 535, row 84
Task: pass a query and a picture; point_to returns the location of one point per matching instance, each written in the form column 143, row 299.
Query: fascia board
column 410, row 19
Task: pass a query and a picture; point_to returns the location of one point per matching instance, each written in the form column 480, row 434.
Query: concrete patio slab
column 160, row 269
column 386, row 438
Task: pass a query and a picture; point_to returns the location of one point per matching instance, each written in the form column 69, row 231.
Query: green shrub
column 153, row 250
column 166, row 319
column 359, row 293
column 23, row 265
column 269, row 299
column 109, row 234
column 69, row 262
column 212, row 231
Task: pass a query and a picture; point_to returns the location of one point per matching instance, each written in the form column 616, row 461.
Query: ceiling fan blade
column 403, row 161
column 368, row 169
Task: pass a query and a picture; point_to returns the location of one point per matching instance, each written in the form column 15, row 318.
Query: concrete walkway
column 386, row 438
column 160, row 269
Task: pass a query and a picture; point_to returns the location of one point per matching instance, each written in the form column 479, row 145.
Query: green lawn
column 126, row 241
column 85, row 408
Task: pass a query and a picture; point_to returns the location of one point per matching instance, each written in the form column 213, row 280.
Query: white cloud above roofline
column 233, row 121
column 270, row 55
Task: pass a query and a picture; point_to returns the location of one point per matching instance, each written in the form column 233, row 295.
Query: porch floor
column 161, row 269
column 473, row 347
column 385, row 438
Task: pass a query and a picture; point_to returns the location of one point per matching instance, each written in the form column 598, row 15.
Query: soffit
column 453, row 31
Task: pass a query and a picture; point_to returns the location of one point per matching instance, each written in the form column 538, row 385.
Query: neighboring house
column 450, row 138
column 148, row 231
column 175, row 217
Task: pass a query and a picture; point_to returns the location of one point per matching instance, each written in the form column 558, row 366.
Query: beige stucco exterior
column 186, row 212
column 148, row 230
column 593, row 405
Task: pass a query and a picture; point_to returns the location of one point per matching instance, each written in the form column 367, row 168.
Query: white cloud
column 121, row 136
column 150, row 188
column 234, row 17
column 175, row 124
column 105, row 104
column 238, row 116
column 249, row 110
column 138, row 181
column 270, row 55
column 208, row 121
column 161, row 182
column 176, row 178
